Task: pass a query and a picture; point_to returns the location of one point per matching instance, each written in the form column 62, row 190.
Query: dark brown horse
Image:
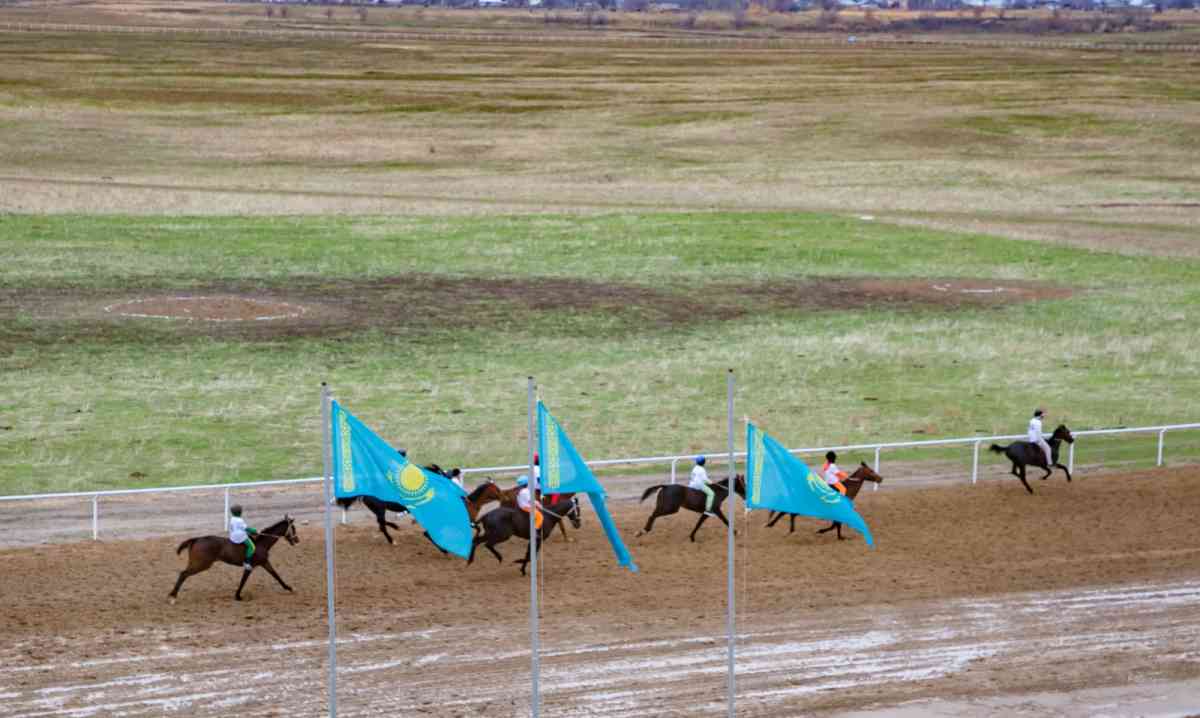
column 508, row 499
column 853, row 484
column 499, row 525
column 204, row 551
column 1027, row 453
column 672, row 497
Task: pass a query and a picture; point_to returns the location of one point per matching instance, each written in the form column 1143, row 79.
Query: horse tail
column 998, row 448
column 651, row 490
column 185, row 544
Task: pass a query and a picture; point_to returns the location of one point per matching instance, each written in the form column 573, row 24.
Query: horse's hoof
column 639, row 534
column 237, row 598
column 171, row 600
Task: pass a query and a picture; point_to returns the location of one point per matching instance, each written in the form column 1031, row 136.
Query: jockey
column 833, row 475
column 240, row 533
column 1035, row 436
column 699, row 482
column 456, row 477
column 526, row 503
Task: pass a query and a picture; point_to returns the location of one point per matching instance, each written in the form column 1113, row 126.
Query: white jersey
column 1035, row 430
column 699, row 478
column 523, row 499
column 237, row 529
column 537, row 476
column 832, row 473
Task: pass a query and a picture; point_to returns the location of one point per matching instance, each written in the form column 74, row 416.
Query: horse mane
column 276, row 527
column 478, row 491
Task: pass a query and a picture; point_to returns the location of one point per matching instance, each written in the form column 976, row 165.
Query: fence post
column 1161, row 434
column 975, row 465
column 674, row 464
column 343, row 517
column 875, row 486
column 95, row 518
column 1071, row 457
column 226, row 517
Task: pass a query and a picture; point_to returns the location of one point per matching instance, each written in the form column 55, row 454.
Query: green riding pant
column 249, row 548
column 709, row 495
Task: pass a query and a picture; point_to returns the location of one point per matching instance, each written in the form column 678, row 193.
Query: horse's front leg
column 1065, row 471
column 792, row 530
column 832, row 525
column 775, row 516
column 840, row 537
column 242, row 584
column 271, row 570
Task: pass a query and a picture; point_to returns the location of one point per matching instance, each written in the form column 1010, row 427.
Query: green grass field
column 427, row 328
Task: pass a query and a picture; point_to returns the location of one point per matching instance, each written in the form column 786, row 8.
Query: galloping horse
column 499, row 525
column 508, row 499
column 204, row 551
column 1022, row 453
column 672, row 497
column 853, row 483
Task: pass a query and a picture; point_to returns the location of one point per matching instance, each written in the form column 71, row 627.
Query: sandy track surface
column 1078, row 598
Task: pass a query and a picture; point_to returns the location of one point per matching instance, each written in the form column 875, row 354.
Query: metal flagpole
column 535, row 700
column 327, row 456
column 729, row 616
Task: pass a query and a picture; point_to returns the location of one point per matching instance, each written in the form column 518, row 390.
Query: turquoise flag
column 779, row 481
column 563, row 472
column 364, row 465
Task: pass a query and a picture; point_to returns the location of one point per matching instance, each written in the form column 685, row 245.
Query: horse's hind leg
column 1021, row 476
column 697, row 528
column 179, row 582
column 193, row 568
column 492, row 547
column 775, row 516
column 827, row 529
column 649, row 523
column 792, row 530
column 271, row 570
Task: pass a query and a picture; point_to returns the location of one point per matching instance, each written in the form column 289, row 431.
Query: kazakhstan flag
column 563, row 472
column 779, row 481
column 364, row 465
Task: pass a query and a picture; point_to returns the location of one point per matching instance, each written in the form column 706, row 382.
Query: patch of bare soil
column 426, row 303
column 971, row 591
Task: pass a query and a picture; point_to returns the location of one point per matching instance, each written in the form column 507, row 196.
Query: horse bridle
column 291, row 529
column 574, row 507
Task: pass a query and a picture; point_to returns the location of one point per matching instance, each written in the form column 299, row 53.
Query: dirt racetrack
column 974, row 594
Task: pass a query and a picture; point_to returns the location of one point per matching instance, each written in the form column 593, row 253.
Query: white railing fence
column 975, row 442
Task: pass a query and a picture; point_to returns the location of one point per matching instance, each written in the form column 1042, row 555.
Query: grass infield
column 427, row 328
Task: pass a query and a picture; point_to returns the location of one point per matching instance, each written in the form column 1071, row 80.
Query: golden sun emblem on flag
column 412, row 484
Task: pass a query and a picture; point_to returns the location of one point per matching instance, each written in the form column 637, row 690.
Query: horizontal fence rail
column 672, row 459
